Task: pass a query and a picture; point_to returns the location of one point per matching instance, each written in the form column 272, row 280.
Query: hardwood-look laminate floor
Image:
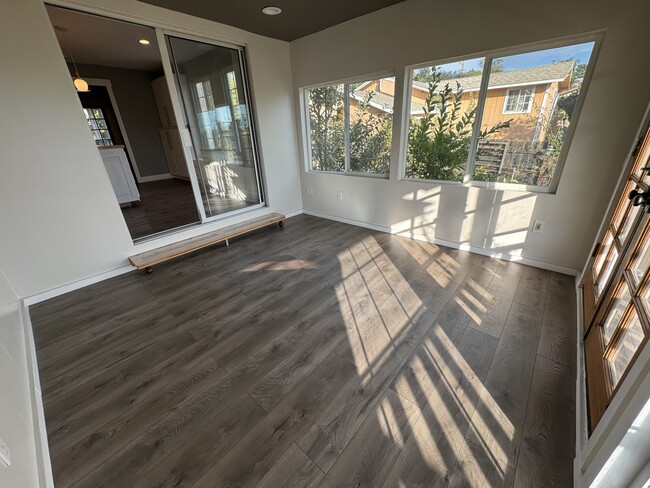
column 319, row 355
column 168, row 204
column 164, row 205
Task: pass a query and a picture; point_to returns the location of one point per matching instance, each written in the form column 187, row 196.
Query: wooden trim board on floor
column 147, row 259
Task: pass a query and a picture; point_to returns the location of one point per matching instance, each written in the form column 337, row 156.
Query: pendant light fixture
column 80, row 84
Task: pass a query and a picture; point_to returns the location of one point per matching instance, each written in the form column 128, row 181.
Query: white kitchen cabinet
column 119, row 172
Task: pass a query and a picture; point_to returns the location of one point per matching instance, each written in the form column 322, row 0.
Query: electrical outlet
column 340, row 195
column 310, row 191
column 5, row 453
column 538, row 226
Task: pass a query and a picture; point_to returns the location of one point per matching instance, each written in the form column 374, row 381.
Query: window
column 443, row 103
column 519, row 101
column 503, row 119
column 98, row 127
column 207, row 113
column 350, row 126
column 240, row 116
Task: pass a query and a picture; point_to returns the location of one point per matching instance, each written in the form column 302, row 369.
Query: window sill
column 493, row 185
column 349, row 173
column 515, row 112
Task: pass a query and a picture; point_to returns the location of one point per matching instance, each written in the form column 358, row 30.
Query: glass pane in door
column 623, row 206
column 641, row 260
column 609, row 267
column 212, row 86
column 643, row 159
column 630, row 218
column 616, row 312
column 603, row 252
column 629, row 342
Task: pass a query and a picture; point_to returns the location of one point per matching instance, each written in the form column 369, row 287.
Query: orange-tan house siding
column 524, row 126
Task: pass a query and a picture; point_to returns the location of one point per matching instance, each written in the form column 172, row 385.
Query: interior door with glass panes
column 616, row 291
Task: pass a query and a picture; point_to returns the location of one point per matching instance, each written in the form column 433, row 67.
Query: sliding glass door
column 211, row 81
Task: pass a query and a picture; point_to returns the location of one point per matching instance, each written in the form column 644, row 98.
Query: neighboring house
column 527, row 96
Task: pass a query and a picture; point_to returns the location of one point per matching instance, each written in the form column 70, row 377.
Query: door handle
column 640, row 198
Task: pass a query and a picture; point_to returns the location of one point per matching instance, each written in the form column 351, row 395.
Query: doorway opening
column 130, row 119
column 171, row 118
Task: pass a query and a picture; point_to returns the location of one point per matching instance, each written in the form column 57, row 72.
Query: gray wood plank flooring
column 164, row 205
column 323, row 355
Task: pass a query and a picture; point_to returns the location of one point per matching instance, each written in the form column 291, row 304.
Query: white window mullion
column 476, row 131
column 346, row 127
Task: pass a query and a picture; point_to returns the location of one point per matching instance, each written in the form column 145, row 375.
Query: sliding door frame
column 163, row 28
column 179, row 108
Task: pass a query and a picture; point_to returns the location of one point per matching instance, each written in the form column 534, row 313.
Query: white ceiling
column 105, row 42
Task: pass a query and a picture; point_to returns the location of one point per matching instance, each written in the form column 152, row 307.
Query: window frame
column 203, row 81
column 595, row 36
column 505, row 110
column 346, row 82
column 105, row 141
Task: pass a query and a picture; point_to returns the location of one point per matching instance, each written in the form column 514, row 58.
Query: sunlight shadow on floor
column 383, row 314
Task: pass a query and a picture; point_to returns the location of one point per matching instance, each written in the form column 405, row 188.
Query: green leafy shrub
column 439, row 142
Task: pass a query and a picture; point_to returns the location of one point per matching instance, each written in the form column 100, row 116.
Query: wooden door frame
column 609, row 214
column 601, row 391
column 593, row 451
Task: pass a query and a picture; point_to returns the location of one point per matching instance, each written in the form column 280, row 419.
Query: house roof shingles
column 386, row 101
column 527, row 76
column 556, row 71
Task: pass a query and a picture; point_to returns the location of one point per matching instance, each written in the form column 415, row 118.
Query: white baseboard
column 358, row 223
column 40, row 297
column 44, row 464
column 61, row 290
column 293, row 214
column 149, row 179
column 455, row 245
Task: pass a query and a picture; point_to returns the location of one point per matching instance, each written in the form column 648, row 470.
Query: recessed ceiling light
column 271, row 10
column 144, row 42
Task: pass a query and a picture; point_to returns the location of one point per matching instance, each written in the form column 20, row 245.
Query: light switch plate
column 5, row 453
column 538, row 226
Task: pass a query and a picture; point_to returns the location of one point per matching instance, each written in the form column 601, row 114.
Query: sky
column 579, row 52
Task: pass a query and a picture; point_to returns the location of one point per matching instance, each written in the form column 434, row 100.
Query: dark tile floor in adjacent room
column 318, row 355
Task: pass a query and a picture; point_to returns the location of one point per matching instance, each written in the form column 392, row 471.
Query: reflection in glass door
column 212, row 85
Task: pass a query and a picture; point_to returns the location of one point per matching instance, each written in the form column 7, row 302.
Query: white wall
column 419, row 31
column 16, row 427
column 59, row 219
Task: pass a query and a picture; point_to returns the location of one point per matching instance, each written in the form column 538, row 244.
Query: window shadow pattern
column 320, row 355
